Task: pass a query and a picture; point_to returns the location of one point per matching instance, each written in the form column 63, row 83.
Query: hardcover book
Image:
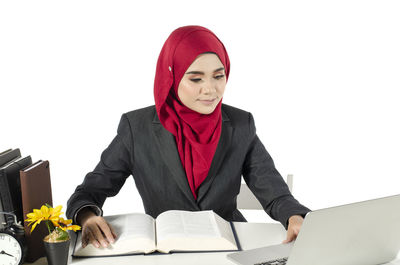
column 36, row 191
column 9, row 155
column 10, row 188
column 171, row 231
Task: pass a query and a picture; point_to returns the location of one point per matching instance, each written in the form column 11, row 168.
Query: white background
column 320, row 77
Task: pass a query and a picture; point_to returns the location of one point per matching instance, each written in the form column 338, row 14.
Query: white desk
column 251, row 235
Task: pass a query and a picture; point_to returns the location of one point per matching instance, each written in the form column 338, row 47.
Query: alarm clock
column 12, row 243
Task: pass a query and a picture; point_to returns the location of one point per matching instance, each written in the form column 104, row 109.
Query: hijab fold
column 196, row 135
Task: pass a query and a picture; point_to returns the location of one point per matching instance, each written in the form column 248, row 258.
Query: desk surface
column 251, row 235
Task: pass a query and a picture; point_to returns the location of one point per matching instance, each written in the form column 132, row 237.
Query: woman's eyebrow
column 202, row 73
column 219, row 69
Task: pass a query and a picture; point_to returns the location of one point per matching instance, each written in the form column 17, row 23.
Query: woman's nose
column 209, row 87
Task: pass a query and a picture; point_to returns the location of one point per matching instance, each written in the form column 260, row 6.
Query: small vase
column 57, row 252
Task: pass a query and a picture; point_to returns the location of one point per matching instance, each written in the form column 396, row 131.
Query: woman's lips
column 207, row 101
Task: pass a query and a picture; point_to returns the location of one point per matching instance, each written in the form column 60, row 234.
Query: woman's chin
column 205, row 110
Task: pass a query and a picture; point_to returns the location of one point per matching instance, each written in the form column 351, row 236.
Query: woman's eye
column 219, row 76
column 196, row 80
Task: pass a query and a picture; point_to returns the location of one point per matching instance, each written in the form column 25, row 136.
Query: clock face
column 10, row 250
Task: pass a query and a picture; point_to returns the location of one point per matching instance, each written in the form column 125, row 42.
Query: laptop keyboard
column 274, row 262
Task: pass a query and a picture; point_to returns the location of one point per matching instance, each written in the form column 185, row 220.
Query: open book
column 171, row 231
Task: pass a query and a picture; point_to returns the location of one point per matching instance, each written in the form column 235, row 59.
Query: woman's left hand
column 295, row 223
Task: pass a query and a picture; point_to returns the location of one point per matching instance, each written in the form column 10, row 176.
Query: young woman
column 189, row 151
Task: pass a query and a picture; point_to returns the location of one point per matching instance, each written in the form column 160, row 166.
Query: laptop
column 364, row 233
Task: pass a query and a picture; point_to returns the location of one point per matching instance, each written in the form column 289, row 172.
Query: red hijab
column 196, row 135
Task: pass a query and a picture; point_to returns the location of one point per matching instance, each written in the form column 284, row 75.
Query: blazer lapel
column 222, row 148
column 169, row 152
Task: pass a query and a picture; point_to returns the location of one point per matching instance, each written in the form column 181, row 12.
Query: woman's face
column 203, row 85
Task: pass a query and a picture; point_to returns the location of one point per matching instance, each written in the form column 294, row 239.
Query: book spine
column 236, row 236
column 6, row 197
column 35, row 191
column 9, row 156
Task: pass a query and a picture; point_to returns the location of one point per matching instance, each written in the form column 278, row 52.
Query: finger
column 92, row 239
column 112, row 231
column 290, row 236
column 98, row 235
column 84, row 241
column 85, row 236
column 295, row 230
column 105, row 229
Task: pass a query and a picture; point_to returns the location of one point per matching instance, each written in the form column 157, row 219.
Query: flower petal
column 31, row 215
column 58, row 208
column 74, row 227
column 34, row 225
column 55, row 223
column 37, row 212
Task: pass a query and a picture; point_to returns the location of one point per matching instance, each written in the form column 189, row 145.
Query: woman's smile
column 207, row 101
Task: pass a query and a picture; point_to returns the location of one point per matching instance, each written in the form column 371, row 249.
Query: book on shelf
column 9, row 155
column 171, row 231
column 6, row 158
column 36, row 191
column 10, row 188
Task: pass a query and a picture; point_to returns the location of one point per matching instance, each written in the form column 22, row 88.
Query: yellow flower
column 66, row 225
column 37, row 216
column 71, row 227
column 54, row 214
column 65, row 222
column 45, row 213
column 50, row 214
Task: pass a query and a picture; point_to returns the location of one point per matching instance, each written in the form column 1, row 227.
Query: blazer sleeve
column 267, row 184
column 108, row 176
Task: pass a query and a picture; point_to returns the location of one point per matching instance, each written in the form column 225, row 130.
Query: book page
column 33, row 166
column 135, row 234
column 225, row 229
column 192, row 231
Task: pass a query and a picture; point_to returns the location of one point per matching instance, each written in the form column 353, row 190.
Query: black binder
column 10, row 188
column 9, row 155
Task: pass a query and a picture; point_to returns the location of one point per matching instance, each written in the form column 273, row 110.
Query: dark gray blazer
column 144, row 149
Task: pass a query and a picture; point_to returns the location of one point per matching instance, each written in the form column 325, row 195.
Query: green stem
column 48, row 226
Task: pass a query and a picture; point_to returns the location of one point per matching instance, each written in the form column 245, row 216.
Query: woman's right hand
column 95, row 229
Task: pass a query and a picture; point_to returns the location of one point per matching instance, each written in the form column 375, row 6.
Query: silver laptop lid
column 362, row 233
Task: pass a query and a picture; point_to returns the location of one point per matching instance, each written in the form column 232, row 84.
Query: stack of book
column 23, row 187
